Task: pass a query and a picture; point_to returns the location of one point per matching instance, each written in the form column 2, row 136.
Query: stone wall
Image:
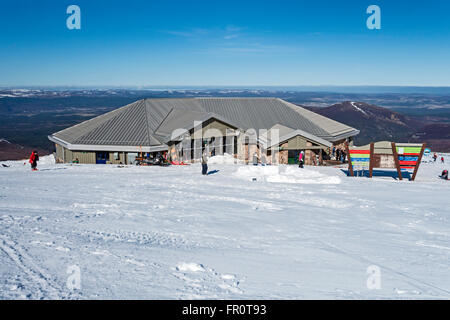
column 283, row 154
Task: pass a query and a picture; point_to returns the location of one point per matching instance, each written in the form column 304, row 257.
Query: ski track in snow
column 45, row 286
column 170, row 233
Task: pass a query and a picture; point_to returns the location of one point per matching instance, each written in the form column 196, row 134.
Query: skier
column 301, row 157
column 34, row 158
column 204, row 164
column 444, row 175
column 435, row 156
column 255, row 159
column 442, row 159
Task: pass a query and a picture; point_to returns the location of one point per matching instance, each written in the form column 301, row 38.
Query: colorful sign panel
column 408, row 156
column 360, row 158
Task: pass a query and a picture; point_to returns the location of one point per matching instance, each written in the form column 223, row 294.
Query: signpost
column 359, row 157
column 408, row 157
column 384, row 154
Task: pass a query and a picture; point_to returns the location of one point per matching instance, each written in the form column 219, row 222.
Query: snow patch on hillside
column 358, row 108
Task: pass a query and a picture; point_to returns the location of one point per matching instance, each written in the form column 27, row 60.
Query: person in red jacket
column 34, row 158
column 301, row 159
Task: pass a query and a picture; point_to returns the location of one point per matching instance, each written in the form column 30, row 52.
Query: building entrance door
column 101, row 157
column 293, row 156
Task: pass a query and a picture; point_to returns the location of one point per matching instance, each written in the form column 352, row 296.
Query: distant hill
column 28, row 116
column 375, row 123
column 436, row 135
column 12, row 151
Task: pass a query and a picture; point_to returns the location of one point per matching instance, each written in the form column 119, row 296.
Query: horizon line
column 125, row 86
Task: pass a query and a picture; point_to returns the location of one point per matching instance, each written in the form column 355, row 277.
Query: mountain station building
column 182, row 129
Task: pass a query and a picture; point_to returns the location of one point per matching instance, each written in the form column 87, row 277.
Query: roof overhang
column 344, row 135
column 179, row 134
column 114, row 148
column 293, row 134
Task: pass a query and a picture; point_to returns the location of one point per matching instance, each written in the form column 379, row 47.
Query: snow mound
column 223, row 159
column 288, row 174
column 190, row 267
column 47, row 160
column 43, row 160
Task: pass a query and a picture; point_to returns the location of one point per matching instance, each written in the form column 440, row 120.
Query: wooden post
column 397, row 163
column 371, row 161
column 419, row 160
column 350, row 165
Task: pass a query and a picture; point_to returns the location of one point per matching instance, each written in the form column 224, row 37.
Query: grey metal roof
column 259, row 113
column 179, row 119
column 178, row 122
column 334, row 129
column 150, row 122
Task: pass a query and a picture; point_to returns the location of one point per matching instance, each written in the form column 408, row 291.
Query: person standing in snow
column 301, row 158
column 204, row 164
column 34, row 158
column 442, row 160
column 435, row 157
column 255, row 159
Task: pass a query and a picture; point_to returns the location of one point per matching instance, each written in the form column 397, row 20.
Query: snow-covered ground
column 242, row 232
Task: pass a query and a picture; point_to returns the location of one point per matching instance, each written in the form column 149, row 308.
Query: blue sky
column 224, row 43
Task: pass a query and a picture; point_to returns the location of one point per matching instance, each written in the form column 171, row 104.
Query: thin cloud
column 245, row 48
column 188, row 33
column 230, row 40
column 232, row 28
column 231, row 36
column 227, row 33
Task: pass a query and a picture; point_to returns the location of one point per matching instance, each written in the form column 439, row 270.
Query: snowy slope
column 156, row 233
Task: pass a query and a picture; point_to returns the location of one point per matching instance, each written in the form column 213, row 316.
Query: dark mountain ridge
column 377, row 123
